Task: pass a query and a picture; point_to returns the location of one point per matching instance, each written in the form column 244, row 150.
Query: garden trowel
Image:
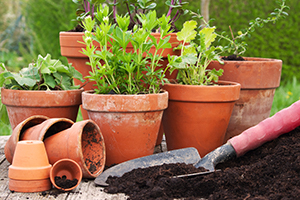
column 187, row 155
column 282, row 122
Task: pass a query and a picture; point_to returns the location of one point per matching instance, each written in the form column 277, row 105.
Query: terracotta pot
column 198, row 116
column 259, row 77
column 129, row 123
column 11, row 143
column 30, row 169
column 83, row 143
column 71, row 48
column 66, row 168
column 21, row 104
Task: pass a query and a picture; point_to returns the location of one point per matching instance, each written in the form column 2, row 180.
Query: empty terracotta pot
column 40, row 131
column 83, row 143
column 65, row 174
column 30, row 169
column 11, row 143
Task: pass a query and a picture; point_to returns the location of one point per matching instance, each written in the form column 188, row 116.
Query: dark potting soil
column 271, row 172
column 233, row 57
column 65, row 183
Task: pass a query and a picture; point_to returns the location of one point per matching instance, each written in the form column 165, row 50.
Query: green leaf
column 49, row 80
column 188, row 32
column 209, row 35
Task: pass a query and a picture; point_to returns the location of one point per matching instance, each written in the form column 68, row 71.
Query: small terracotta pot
column 30, row 169
column 21, row 104
column 11, row 143
column 66, row 168
column 83, row 143
column 259, row 78
column 198, row 116
column 129, row 123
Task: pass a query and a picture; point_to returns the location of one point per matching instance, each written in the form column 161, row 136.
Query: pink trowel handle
column 282, row 122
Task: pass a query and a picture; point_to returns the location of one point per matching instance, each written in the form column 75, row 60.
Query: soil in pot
column 64, row 182
column 268, row 172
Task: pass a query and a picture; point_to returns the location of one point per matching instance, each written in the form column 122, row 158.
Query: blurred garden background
column 31, row 27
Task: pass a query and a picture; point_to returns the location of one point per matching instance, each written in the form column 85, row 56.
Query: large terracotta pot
column 259, row 77
column 21, row 104
column 198, row 116
column 83, row 143
column 71, row 48
column 129, row 123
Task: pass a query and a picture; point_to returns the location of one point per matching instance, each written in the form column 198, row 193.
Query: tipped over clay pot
column 11, row 143
column 35, row 128
column 65, row 174
column 30, row 169
column 83, row 143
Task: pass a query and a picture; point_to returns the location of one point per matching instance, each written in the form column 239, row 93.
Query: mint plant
column 196, row 54
column 115, row 69
column 44, row 74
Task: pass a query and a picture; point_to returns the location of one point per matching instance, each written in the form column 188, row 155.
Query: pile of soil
column 271, row 171
column 65, row 183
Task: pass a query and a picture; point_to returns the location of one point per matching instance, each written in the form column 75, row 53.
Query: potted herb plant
column 259, row 77
column 45, row 87
column 200, row 105
column 127, row 102
column 71, row 41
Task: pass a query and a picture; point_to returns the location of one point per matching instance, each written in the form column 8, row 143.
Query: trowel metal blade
column 187, row 155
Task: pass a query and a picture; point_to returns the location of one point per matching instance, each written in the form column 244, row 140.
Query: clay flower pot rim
column 228, row 91
column 67, row 42
column 124, row 103
column 33, row 95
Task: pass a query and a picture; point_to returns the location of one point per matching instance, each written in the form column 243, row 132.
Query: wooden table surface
column 87, row 190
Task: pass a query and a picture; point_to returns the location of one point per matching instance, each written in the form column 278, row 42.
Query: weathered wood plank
column 3, row 140
column 88, row 190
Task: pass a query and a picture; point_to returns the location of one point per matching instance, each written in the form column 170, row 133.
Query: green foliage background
column 44, row 20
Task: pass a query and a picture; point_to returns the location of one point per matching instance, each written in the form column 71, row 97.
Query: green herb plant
column 196, row 54
column 115, row 69
column 44, row 74
column 235, row 43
